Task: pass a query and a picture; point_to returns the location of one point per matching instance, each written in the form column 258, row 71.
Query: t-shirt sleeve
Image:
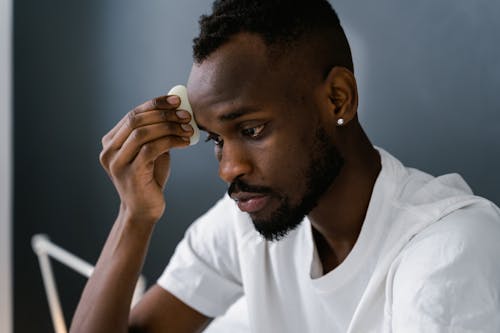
column 204, row 271
column 448, row 279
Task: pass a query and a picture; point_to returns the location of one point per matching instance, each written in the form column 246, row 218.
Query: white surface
column 5, row 166
column 181, row 91
column 456, row 277
column 49, row 284
column 45, row 249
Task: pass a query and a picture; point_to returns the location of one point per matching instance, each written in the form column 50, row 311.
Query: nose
column 234, row 162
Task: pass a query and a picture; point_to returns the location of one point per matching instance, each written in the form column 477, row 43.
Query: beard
column 325, row 163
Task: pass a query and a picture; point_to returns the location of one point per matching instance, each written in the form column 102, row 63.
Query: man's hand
column 136, row 155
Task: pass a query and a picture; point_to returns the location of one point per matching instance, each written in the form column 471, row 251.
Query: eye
column 253, row 132
column 215, row 138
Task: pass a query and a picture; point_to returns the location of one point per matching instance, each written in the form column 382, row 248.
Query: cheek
column 284, row 168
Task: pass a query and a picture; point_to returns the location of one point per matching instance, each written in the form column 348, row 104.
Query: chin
column 278, row 224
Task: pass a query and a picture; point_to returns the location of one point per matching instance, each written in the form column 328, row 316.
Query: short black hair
column 278, row 22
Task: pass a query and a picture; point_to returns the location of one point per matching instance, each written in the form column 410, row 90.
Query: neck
column 339, row 215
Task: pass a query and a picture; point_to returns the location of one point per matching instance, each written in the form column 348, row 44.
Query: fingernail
column 185, row 139
column 186, row 127
column 173, row 99
column 182, row 114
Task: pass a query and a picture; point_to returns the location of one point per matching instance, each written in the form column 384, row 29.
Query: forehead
column 244, row 56
column 240, row 73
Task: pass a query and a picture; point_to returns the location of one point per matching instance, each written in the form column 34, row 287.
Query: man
column 320, row 231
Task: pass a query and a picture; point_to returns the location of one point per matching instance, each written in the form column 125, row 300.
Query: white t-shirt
column 426, row 260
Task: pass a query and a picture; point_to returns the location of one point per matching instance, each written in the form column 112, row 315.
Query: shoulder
column 470, row 230
column 448, row 275
column 221, row 223
column 204, row 271
column 213, row 231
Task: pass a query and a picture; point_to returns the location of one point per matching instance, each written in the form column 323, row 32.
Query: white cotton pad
column 181, row 91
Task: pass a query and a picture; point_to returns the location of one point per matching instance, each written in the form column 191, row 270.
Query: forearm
column 105, row 302
column 136, row 157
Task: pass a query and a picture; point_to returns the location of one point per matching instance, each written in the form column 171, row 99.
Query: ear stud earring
column 340, row 121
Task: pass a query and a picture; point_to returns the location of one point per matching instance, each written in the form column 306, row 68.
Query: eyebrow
column 234, row 115
column 238, row 113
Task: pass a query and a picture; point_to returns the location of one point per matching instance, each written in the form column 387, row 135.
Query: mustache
column 240, row 186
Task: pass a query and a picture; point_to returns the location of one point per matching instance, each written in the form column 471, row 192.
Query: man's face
column 265, row 119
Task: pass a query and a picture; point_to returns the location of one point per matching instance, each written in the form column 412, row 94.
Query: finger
column 109, row 136
column 146, row 134
column 135, row 121
column 169, row 102
column 153, row 150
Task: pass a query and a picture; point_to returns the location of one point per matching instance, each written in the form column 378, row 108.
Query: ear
column 343, row 94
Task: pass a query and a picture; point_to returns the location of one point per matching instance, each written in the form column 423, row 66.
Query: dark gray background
column 428, row 74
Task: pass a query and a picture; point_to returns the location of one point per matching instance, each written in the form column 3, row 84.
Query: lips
column 250, row 202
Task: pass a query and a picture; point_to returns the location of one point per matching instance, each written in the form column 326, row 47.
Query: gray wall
column 427, row 71
column 429, row 75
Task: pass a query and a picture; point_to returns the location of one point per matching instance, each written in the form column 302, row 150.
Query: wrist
column 131, row 217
